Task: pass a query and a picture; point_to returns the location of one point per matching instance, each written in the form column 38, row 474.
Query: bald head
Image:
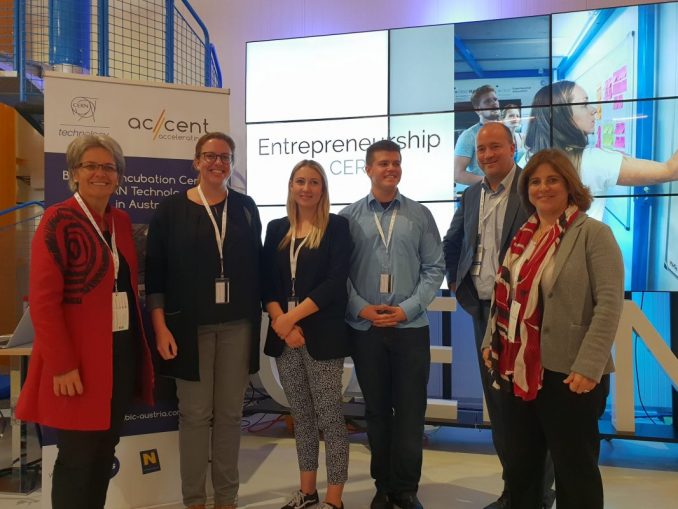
column 495, row 151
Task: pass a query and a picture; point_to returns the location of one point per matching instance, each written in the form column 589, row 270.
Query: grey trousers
column 216, row 400
column 313, row 389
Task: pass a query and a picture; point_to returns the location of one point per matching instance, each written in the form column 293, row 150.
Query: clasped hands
column 382, row 315
column 288, row 331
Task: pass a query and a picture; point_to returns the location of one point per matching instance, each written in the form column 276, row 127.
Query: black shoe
column 300, row 500
column 501, row 503
column 549, row 498
column 381, row 501
column 406, row 501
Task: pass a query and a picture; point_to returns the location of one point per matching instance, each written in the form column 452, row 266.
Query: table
column 21, row 479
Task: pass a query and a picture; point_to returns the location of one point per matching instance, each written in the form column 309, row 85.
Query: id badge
column 120, row 311
column 222, row 290
column 292, row 302
column 385, row 283
column 513, row 321
column 477, row 259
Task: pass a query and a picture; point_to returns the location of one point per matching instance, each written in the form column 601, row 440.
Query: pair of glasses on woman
column 211, row 157
column 92, row 167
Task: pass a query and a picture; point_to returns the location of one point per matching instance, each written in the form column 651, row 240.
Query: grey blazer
column 582, row 308
column 460, row 239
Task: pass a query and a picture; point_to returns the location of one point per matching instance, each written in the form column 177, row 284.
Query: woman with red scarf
column 90, row 357
column 554, row 314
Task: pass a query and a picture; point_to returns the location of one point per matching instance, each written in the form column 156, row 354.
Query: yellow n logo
column 149, row 458
column 150, row 462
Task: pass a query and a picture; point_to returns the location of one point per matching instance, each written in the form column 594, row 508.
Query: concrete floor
column 460, row 471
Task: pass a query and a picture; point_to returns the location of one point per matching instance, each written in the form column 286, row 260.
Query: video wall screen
column 600, row 84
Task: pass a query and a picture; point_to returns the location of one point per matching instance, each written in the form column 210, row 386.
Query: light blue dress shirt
column 414, row 259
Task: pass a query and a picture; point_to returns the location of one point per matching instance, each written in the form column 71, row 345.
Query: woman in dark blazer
column 556, row 306
column 306, row 256
column 203, row 292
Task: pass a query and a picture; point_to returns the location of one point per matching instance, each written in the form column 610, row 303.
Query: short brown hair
column 479, row 92
column 578, row 193
column 216, row 135
column 379, row 146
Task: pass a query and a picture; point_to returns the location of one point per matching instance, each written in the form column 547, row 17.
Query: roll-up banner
column 157, row 126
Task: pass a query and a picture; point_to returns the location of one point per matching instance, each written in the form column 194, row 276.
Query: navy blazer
column 460, row 239
column 321, row 276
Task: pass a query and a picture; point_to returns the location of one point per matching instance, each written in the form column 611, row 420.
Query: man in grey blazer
column 475, row 245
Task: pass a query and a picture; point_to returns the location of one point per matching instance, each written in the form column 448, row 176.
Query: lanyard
column 113, row 247
column 294, row 254
column 219, row 237
column 386, row 240
column 482, row 217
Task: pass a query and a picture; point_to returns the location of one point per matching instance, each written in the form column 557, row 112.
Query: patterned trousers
column 313, row 389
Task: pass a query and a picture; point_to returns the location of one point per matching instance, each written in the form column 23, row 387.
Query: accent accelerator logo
column 164, row 127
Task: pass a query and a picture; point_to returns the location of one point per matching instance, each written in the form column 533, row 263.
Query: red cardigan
column 71, row 282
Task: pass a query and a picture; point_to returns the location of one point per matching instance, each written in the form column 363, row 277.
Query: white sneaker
column 302, row 501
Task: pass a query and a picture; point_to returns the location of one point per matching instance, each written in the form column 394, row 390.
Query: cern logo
column 84, row 107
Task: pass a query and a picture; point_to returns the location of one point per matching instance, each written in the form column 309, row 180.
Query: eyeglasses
column 211, row 157
column 92, row 167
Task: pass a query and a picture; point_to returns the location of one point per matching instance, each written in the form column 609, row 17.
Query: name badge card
column 385, row 283
column 120, row 312
column 222, row 290
column 477, row 257
column 292, row 302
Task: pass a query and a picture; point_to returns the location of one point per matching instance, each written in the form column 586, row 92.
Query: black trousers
column 496, row 403
column 492, row 397
column 565, row 423
column 393, row 366
column 84, row 462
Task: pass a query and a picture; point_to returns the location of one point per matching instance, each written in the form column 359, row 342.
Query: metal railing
column 15, row 249
column 151, row 40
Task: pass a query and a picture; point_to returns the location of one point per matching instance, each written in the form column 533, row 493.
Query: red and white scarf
column 517, row 363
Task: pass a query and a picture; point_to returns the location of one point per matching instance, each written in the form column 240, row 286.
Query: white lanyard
column 294, row 254
column 113, row 247
column 482, row 217
column 386, row 240
column 219, row 237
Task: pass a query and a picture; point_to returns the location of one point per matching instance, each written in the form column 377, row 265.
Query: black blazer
column 170, row 272
column 321, row 275
column 460, row 240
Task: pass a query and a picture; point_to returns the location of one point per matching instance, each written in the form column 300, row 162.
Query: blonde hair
column 322, row 214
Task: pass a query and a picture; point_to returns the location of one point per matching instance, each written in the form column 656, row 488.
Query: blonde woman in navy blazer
column 306, row 256
column 556, row 391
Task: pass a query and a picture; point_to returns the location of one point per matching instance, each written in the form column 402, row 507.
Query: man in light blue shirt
column 396, row 269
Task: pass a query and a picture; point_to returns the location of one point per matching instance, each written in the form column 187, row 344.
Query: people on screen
column 486, row 105
column 510, row 116
column 567, row 126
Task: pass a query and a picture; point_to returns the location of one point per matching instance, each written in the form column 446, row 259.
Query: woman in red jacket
column 90, row 356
